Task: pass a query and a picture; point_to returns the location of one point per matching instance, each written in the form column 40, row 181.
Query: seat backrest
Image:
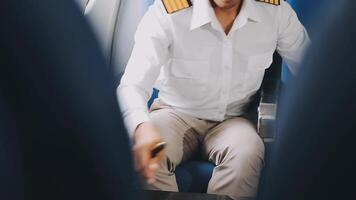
column 308, row 11
column 115, row 23
column 102, row 16
column 314, row 153
column 61, row 132
column 129, row 16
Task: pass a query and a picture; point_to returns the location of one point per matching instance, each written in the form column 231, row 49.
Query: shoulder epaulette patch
column 176, row 5
column 273, row 2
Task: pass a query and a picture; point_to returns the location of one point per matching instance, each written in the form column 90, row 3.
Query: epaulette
column 173, row 6
column 273, row 2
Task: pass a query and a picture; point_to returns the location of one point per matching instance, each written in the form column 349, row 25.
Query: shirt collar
column 203, row 13
column 249, row 8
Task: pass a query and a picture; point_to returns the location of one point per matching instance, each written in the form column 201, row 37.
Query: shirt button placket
column 226, row 75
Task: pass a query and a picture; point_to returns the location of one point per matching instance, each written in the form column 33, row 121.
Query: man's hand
column 146, row 137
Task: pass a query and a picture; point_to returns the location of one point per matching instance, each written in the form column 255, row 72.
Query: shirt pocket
column 256, row 66
column 187, row 81
column 190, row 69
column 260, row 61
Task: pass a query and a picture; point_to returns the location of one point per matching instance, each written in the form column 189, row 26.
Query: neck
column 227, row 15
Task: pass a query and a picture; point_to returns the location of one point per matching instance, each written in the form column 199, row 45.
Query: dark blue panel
column 307, row 11
column 194, row 176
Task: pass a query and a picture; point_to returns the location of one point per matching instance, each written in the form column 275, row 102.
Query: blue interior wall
column 307, row 11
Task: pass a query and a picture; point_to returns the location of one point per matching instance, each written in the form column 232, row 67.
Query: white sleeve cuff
column 133, row 119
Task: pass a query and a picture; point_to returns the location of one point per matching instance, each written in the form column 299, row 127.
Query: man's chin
column 225, row 4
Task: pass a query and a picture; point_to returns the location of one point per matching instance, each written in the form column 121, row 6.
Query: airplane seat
column 102, row 17
column 129, row 15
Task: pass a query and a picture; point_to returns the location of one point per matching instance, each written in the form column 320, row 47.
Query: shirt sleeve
column 293, row 39
column 150, row 52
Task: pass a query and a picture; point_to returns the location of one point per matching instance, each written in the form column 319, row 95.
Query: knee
column 249, row 157
column 253, row 152
column 166, row 123
column 255, row 148
column 252, row 158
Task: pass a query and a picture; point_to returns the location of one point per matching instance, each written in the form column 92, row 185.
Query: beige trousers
column 233, row 146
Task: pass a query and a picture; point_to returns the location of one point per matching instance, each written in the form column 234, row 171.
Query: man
column 211, row 56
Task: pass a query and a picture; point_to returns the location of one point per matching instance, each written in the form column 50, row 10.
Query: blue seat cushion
column 194, row 176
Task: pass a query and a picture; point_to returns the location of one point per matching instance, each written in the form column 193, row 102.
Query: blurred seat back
column 62, row 136
column 102, row 16
column 314, row 153
column 129, row 15
column 115, row 23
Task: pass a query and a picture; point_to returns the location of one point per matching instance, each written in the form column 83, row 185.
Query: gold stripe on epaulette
column 176, row 5
column 273, row 2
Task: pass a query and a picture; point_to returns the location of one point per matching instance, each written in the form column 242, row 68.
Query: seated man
column 211, row 56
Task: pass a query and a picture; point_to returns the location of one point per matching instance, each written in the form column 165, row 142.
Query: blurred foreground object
column 314, row 153
column 61, row 133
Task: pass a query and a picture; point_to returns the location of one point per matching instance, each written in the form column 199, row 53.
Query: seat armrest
column 267, row 110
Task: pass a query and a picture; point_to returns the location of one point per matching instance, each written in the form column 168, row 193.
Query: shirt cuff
column 133, row 119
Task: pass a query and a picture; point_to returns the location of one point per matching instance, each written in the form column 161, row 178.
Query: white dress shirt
column 204, row 72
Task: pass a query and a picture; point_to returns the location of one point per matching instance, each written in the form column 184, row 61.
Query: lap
column 175, row 131
column 235, row 136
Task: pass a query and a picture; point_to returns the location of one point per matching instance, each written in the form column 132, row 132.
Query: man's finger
column 151, row 181
column 142, row 155
column 153, row 166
